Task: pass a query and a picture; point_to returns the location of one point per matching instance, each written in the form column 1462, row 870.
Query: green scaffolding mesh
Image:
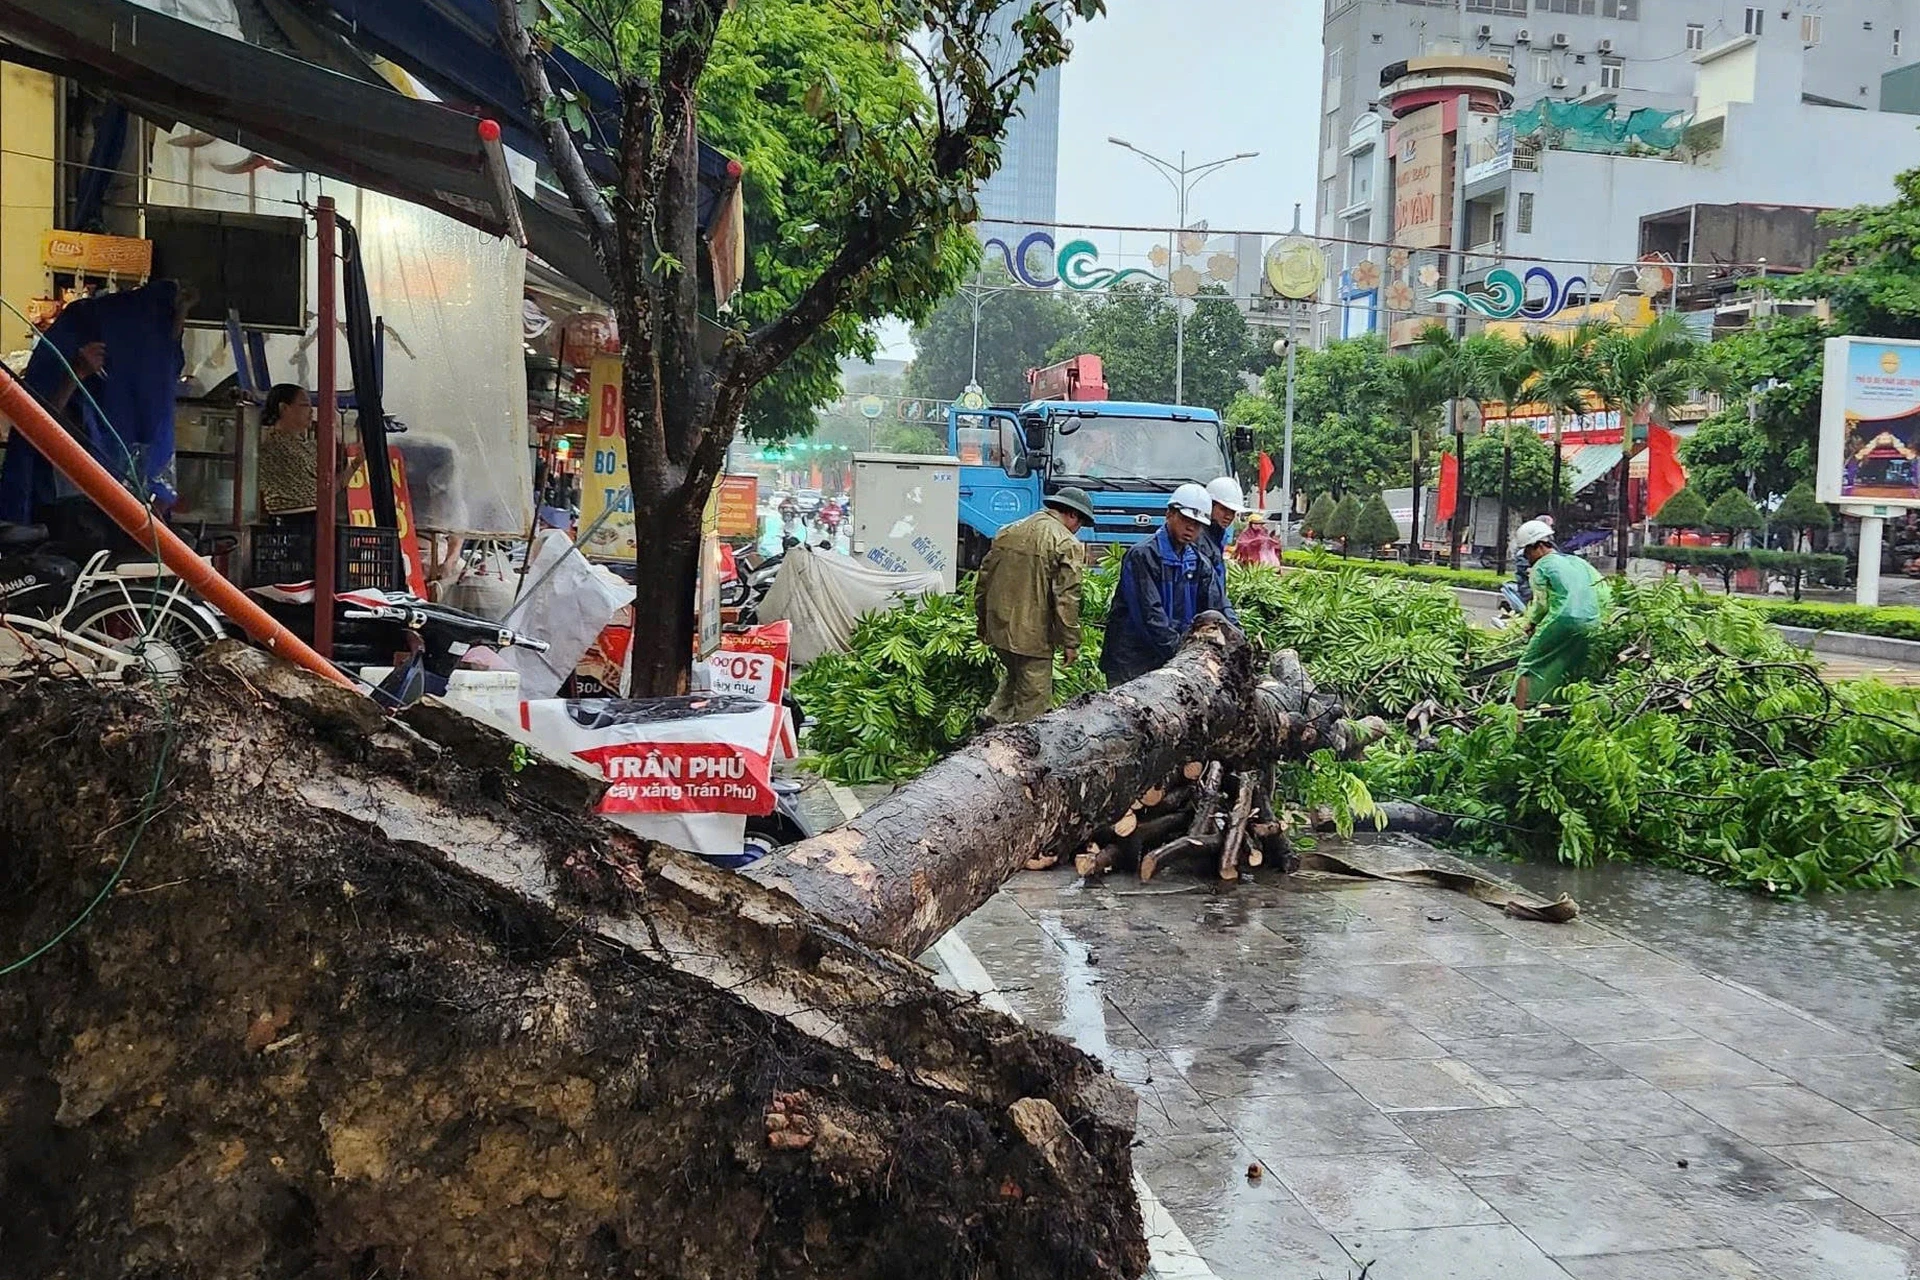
column 1598, row 126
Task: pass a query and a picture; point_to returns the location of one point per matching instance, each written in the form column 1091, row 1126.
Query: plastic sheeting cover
column 214, row 15
column 826, row 595
column 567, row 608
column 455, row 369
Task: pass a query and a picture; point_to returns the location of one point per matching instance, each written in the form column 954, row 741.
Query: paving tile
column 1313, row 1124
column 1600, row 1110
column 1904, row 1122
column 1606, row 1019
column 1475, row 1018
column 1515, row 1060
column 1453, row 1253
column 1666, row 1264
column 1525, row 982
column 1776, row 1115
column 1170, row 1107
column 1398, row 1191
column 1478, row 948
column 1259, row 1070
column 1907, row 1222
column 1361, row 1035
column 1708, row 1166
column 1623, row 966
column 1428, row 981
column 1382, row 946
column 1865, row 1082
column 1245, row 1230
column 1583, row 1211
column 1421, row 1084
column 1492, row 1142
column 1692, row 1063
column 1780, row 1040
column 1834, row 1240
column 1881, row 1177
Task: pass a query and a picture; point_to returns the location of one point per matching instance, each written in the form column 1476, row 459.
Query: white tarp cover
column 455, row 366
column 568, row 608
column 214, row 15
column 824, row 596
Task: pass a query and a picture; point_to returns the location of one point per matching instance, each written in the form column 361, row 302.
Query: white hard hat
column 1226, row 492
column 1191, row 500
column 1532, row 532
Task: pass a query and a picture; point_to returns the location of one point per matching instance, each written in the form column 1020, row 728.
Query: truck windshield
column 1152, row 449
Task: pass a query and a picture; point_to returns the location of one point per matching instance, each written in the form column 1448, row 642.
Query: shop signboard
column 740, row 506
column 604, row 483
column 1489, row 147
column 96, row 255
column 360, row 513
column 1870, row 423
column 709, row 593
column 1422, row 199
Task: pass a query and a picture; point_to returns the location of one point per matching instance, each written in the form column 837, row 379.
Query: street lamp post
column 1183, row 178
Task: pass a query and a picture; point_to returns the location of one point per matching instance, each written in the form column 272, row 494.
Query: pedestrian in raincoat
column 1027, row 603
column 1569, row 599
column 1165, row 583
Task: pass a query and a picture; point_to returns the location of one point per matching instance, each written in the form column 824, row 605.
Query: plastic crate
column 366, row 558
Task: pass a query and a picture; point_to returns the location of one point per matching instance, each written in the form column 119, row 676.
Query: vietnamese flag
column 1266, row 477
column 1449, row 495
column 1665, row 475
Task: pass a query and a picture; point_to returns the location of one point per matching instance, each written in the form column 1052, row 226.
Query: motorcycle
column 108, row 622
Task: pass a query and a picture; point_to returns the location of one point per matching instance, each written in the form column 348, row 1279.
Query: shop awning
column 170, row 71
column 1591, row 463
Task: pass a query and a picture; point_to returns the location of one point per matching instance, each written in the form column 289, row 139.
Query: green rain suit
column 1569, row 598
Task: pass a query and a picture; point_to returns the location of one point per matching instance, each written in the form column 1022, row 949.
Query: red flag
column 1266, row 477
column 1665, row 475
column 1449, row 494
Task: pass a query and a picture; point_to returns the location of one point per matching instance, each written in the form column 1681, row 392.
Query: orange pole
column 325, row 420
column 79, row 466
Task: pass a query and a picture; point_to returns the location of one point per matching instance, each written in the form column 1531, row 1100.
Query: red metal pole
column 325, row 411
column 76, row 464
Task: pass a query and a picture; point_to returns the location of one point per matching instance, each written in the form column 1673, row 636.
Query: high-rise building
column 1670, row 56
column 1024, row 190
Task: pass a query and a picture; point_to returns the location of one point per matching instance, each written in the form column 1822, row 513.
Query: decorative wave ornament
column 1076, row 264
column 1507, row 295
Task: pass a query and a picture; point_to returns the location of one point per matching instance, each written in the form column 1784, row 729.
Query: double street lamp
column 1183, row 178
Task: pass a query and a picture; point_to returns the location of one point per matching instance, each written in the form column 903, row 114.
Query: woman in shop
column 287, row 456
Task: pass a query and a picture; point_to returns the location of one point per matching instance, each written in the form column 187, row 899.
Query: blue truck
column 1127, row 455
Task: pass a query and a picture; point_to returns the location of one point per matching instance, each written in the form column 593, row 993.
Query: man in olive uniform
column 1027, row 602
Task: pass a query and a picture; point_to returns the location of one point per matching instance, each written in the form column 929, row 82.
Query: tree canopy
column 1131, row 329
column 1019, row 329
column 1531, row 486
column 1355, row 411
column 1684, row 510
column 1733, row 512
column 1319, row 514
column 1374, row 526
column 1800, row 511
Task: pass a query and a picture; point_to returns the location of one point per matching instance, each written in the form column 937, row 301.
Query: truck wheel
column 973, row 549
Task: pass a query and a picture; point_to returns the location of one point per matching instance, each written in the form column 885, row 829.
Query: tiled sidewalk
column 1440, row 1091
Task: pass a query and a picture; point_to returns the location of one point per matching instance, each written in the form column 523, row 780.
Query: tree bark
column 664, row 613
column 908, row 869
column 363, row 1003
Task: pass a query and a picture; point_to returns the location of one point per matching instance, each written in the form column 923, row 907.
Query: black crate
column 366, row 558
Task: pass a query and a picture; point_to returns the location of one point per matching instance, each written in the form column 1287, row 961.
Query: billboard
column 1870, row 423
column 1422, row 196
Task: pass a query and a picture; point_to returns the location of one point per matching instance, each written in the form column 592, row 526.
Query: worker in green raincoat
column 1569, row 598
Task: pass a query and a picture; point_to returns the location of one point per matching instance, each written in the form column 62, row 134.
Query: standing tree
column 1684, row 510
column 1503, row 369
column 882, row 167
column 1460, row 369
column 1131, row 329
column 1319, row 515
column 1019, row 328
column 1801, row 512
column 1415, row 394
column 1733, row 514
column 1340, row 524
column 1640, row 374
column 1562, row 376
column 1374, row 527
column 1527, row 468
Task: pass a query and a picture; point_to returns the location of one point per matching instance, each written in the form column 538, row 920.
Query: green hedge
column 1900, row 622
column 1477, row 579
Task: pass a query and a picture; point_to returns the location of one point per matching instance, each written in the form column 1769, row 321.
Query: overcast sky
column 1212, row 76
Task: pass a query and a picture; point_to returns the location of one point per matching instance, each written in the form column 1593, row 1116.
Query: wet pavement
column 1428, row 1088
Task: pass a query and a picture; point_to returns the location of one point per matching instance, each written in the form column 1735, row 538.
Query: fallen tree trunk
column 916, row 863
column 359, row 1004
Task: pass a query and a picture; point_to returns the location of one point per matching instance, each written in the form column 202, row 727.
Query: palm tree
column 1503, row 371
column 1415, row 390
column 1642, row 374
column 1456, row 376
column 1562, row 376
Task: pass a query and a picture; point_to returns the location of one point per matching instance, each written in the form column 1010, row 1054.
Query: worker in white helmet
column 1569, row 599
column 1166, row 582
column 1229, row 504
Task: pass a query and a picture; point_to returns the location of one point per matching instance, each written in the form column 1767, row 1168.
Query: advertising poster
column 360, row 513
column 1870, row 423
column 603, row 479
column 1422, row 194
column 740, row 506
column 709, row 588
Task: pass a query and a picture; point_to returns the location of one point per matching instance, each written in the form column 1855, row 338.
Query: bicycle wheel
column 158, row 624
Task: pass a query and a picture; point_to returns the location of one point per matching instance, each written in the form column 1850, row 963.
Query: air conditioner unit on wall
column 1559, row 82
column 1606, row 46
column 1486, row 31
column 1560, row 40
column 1523, row 36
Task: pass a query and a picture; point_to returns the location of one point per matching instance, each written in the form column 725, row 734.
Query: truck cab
column 1128, row 456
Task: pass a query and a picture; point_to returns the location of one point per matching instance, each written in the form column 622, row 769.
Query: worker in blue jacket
column 1165, row 583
